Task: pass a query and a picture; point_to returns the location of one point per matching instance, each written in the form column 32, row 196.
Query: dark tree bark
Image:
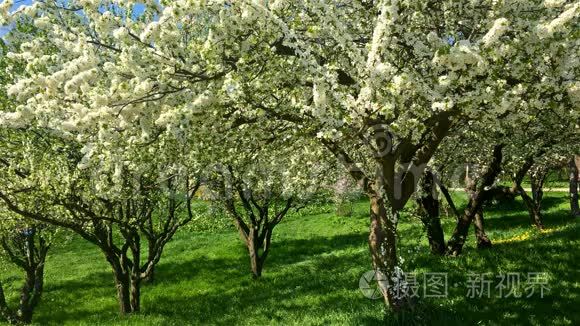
column 383, row 248
column 27, row 249
column 400, row 162
column 5, row 311
column 258, row 248
column 482, row 238
column 257, row 236
column 134, row 219
column 151, row 251
column 479, row 191
column 449, row 199
column 537, row 180
column 389, row 189
column 428, row 205
column 123, row 286
column 256, row 219
column 129, row 270
column 537, row 177
column 573, row 178
column 534, row 203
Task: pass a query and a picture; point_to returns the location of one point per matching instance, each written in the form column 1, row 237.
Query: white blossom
column 500, row 26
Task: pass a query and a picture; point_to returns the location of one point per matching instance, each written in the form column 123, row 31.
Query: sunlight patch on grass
column 312, row 275
column 527, row 235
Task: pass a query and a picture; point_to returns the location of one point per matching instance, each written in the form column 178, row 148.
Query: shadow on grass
column 74, row 300
column 294, row 289
column 295, row 268
column 283, row 253
column 551, row 219
column 553, row 213
column 325, row 282
column 312, row 281
column 544, row 254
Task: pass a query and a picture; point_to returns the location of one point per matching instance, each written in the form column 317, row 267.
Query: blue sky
column 17, row 3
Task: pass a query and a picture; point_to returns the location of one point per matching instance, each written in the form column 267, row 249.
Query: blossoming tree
column 379, row 84
column 260, row 183
column 25, row 245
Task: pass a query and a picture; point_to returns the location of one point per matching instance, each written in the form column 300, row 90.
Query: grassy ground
column 313, row 272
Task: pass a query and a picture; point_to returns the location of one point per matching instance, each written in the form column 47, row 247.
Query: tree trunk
column 256, row 266
column 573, row 178
column 150, row 277
column 123, row 284
column 435, row 235
column 135, row 293
column 5, row 311
column 537, row 218
column 135, row 246
column 537, row 178
column 383, row 248
column 457, row 240
column 449, row 200
column 479, row 191
column 535, row 204
column 533, row 208
column 34, row 282
column 482, row 238
column 429, row 214
column 128, row 284
column 25, row 310
column 29, row 296
column 126, row 266
column 257, row 234
column 254, row 250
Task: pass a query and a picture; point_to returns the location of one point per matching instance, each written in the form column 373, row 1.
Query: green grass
column 312, row 274
column 555, row 179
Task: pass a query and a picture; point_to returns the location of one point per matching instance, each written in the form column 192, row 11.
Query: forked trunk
column 429, row 214
column 257, row 234
column 123, row 284
column 537, row 218
column 383, row 248
column 534, row 208
column 152, row 251
column 254, row 251
column 259, row 247
column 473, row 213
column 479, row 191
column 33, row 264
column 534, row 203
column 25, row 310
column 135, row 293
column 457, row 240
column 128, row 286
column 127, row 283
column 482, row 238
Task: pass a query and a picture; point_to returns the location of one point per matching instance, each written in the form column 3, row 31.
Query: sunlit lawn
column 312, row 275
